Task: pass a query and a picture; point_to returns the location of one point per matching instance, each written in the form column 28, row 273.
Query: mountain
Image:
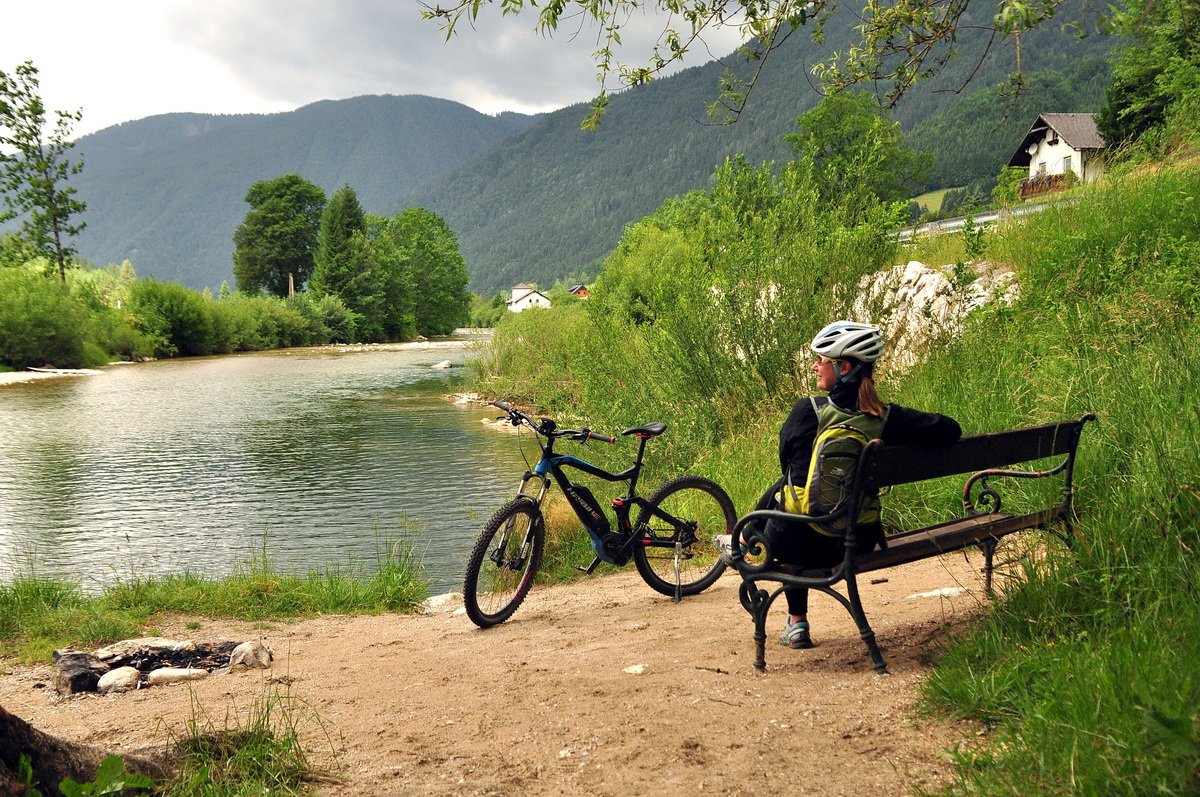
column 168, row 191
column 534, row 198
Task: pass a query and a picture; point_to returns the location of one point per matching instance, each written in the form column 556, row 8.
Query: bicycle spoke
column 503, row 563
column 676, row 555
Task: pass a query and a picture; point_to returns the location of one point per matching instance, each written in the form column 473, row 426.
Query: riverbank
column 600, row 687
column 461, row 339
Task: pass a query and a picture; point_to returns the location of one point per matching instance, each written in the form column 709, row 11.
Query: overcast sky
column 129, row 59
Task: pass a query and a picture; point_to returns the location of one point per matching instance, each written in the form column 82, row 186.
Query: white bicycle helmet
column 848, row 340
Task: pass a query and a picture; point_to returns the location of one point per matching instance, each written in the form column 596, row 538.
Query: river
column 320, row 457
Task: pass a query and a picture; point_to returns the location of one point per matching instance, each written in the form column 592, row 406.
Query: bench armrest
column 754, row 544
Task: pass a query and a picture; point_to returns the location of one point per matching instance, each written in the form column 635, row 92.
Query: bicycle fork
column 534, row 487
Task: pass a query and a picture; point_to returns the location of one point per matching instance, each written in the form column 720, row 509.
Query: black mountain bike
column 671, row 542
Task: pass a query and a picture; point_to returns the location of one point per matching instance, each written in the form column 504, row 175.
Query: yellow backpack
column 841, row 438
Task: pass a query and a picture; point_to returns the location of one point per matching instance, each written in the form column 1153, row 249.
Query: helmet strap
column 849, row 376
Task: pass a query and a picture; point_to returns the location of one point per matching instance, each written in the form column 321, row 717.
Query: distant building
column 579, row 290
column 1058, row 143
column 525, row 297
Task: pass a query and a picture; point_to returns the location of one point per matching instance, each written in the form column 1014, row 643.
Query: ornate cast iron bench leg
column 988, row 546
column 864, row 628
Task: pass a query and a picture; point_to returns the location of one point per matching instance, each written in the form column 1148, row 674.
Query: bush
column 330, row 319
column 176, row 319
column 40, row 322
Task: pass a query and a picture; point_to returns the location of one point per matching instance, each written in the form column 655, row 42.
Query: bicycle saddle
column 649, row 430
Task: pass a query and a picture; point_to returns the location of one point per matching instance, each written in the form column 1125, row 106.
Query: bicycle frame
column 613, row 546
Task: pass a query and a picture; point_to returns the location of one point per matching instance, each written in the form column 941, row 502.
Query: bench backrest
column 884, row 466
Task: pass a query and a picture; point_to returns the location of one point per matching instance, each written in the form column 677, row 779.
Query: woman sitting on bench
column 846, row 354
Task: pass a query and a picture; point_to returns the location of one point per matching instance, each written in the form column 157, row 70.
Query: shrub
column 39, row 321
column 175, row 318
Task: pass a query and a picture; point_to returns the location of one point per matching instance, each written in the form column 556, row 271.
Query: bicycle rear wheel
column 503, row 562
column 676, row 555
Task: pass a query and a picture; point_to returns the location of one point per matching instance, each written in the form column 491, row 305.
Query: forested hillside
column 549, row 203
column 535, row 199
column 167, row 192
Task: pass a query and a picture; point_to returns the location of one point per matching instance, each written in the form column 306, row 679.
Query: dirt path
column 544, row 704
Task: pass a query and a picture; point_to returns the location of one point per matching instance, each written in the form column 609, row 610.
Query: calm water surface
column 324, row 456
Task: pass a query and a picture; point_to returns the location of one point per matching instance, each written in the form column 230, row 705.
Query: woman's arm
column 906, row 426
column 796, row 437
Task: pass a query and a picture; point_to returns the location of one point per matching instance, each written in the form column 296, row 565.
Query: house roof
column 576, row 288
column 1077, row 129
column 526, row 295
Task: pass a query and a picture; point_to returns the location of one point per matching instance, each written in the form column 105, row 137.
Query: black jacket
column 904, row 426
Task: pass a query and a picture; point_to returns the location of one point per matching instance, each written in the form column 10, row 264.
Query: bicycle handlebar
column 546, row 427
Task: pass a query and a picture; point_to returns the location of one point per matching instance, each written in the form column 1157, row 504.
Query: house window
column 1066, row 164
column 1041, row 167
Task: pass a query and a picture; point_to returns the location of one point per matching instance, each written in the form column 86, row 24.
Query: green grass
column 260, row 754
column 38, row 615
column 932, row 200
column 1086, row 672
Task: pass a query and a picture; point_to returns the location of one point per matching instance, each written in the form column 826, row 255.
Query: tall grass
column 39, row 614
column 1087, row 669
column 258, row 754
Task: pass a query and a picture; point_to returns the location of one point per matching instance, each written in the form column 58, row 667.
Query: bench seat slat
column 947, row 537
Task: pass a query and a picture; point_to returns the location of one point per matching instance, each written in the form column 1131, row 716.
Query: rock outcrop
column 917, row 305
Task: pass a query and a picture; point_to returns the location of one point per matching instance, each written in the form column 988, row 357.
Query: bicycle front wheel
column 676, row 555
column 503, row 562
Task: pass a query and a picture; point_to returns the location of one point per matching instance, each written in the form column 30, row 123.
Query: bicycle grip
column 603, row 438
column 502, row 405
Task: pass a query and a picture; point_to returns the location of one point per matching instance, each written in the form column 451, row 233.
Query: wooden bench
column 984, row 456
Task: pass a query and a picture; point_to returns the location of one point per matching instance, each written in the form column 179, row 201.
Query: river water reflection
column 323, row 456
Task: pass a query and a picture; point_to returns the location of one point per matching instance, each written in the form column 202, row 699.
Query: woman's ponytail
column 868, row 400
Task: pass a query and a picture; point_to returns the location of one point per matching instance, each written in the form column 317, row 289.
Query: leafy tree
column 439, row 273
column 901, row 41
column 390, row 257
column 858, row 153
column 486, row 313
column 278, row 237
column 15, row 250
column 1160, row 69
column 34, row 168
column 1008, row 186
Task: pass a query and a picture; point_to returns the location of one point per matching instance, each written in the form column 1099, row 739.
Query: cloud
column 138, row 58
column 299, row 52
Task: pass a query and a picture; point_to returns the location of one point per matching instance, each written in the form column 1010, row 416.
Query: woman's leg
column 800, row 544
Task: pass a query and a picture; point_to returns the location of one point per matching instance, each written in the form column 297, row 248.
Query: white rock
column 944, row 592
column 253, row 654
column 121, row 679
column 443, row 364
column 447, row 602
column 127, row 646
column 916, row 305
column 635, row 669
column 174, row 675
